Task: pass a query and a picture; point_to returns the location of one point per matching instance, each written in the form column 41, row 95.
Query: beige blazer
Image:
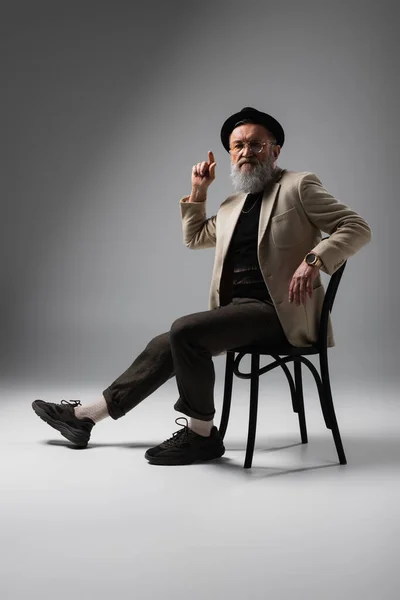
column 294, row 211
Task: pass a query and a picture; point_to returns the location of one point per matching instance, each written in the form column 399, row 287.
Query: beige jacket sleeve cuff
column 198, row 231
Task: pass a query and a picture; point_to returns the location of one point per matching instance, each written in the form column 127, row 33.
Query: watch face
column 311, row 258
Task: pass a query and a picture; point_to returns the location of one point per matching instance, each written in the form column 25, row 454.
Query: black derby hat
column 255, row 116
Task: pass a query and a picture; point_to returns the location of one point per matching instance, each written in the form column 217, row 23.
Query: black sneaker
column 62, row 417
column 185, row 447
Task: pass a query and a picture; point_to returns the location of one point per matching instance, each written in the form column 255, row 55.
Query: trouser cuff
column 114, row 408
column 182, row 407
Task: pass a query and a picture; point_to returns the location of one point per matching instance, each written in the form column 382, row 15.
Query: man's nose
column 247, row 151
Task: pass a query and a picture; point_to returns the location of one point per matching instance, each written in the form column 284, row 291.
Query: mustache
column 243, row 161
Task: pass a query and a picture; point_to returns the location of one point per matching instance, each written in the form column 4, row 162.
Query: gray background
column 104, row 109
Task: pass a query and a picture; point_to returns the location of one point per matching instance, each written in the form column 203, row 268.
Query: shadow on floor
column 362, row 452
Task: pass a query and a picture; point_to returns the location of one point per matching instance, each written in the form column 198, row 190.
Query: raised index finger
column 211, row 158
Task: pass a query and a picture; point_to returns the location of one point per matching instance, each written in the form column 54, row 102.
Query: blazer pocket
column 286, row 229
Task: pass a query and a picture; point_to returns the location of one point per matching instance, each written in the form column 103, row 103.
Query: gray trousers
column 186, row 351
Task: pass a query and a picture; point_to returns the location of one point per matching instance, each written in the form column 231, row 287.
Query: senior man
column 265, row 287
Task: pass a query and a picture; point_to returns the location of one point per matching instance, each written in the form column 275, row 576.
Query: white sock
column 201, row 427
column 96, row 411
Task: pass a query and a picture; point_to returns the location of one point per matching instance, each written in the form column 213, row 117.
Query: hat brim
column 257, row 117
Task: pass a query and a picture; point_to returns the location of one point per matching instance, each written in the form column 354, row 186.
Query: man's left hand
column 302, row 283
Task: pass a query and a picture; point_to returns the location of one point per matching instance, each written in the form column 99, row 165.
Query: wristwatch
column 313, row 260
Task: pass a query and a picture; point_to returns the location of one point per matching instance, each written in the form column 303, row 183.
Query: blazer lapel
column 235, row 207
column 268, row 203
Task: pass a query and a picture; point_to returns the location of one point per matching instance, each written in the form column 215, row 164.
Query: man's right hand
column 203, row 174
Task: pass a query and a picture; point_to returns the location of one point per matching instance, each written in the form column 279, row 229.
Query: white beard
column 252, row 180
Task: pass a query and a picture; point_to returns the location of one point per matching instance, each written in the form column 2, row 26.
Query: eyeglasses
column 255, row 147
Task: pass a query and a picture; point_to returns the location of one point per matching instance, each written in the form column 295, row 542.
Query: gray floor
column 103, row 523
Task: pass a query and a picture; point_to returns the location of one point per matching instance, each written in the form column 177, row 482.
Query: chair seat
column 284, row 350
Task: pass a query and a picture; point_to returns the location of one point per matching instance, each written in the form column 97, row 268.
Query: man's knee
column 160, row 342
column 180, row 328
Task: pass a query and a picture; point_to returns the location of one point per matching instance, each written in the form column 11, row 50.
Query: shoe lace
column 179, row 437
column 72, row 403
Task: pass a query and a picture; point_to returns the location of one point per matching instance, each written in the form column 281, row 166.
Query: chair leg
column 254, row 381
column 290, row 382
column 330, row 408
column 300, row 401
column 226, row 405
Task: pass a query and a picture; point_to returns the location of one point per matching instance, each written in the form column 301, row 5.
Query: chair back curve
column 328, row 304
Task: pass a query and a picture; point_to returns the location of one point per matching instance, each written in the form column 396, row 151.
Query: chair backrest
column 327, row 305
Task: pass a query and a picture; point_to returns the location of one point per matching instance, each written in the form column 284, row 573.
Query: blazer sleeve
column 198, row 231
column 347, row 230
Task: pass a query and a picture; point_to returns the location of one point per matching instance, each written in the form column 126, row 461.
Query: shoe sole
column 76, row 438
column 155, row 460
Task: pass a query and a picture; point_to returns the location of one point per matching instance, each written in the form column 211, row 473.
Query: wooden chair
column 282, row 356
